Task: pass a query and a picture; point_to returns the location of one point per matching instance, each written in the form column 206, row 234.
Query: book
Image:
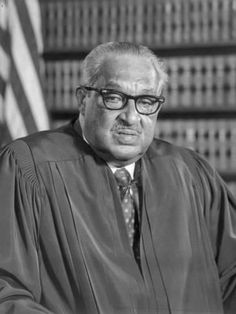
column 157, row 30
column 167, row 17
column 130, row 21
column 143, row 26
column 214, row 19
column 50, row 25
column 85, row 23
column 77, row 25
column 172, row 87
column 218, row 81
column 70, row 30
column 231, row 145
column 195, row 21
column 113, row 21
column 93, row 22
column 230, row 80
column 121, row 21
column 233, row 20
column 204, row 21
column 196, row 82
column 177, row 22
column 49, row 84
column 60, row 25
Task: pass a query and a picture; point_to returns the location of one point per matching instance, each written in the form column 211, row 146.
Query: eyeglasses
column 116, row 100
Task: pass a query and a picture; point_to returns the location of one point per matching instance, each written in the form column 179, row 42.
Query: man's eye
column 113, row 98
column 146, row 101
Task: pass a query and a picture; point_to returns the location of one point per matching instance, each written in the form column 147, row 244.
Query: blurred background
column 195, row 38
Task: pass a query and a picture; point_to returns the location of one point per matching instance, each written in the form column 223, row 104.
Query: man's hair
column 92, row 64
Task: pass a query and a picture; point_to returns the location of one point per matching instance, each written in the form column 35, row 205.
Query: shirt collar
column 129, row 168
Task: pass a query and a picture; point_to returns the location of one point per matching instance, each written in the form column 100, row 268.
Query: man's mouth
column 127, row 136
column 127, row 131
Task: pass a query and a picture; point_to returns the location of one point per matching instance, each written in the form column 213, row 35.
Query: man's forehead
column 133, row 86
column 127, row 60
column 127, row 67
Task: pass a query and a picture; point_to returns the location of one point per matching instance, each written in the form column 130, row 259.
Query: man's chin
column 119, row 153
column 125, row 153
column 127, row 139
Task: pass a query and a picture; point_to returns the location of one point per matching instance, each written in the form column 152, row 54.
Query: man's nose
column 130, row 114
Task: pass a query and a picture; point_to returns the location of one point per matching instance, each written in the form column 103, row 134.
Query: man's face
column 120, row 136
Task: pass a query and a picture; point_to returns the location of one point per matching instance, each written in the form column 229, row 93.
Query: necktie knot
column 123, row 177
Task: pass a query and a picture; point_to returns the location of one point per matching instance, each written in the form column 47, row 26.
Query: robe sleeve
column 20, row 198
column 220, row 215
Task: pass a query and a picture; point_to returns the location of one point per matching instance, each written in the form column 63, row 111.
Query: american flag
column 22, row 106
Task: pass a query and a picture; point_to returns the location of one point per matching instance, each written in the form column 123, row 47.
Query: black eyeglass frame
column 125, row 97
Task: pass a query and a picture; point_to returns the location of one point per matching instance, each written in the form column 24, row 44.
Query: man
column 100, row 217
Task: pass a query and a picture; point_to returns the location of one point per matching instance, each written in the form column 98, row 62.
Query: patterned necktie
column 123, row 179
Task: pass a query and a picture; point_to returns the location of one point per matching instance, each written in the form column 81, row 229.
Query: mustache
column 125, row 128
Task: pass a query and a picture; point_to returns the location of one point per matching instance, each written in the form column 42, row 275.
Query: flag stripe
column 1, row 112
column 3, row 16
column 27, row 30
column 4, row 64
column 24, row 107
column 13, row 117
column 4, row 40
column 2, row 86
column 5, row 134
column 28, row 75
column 34, row 10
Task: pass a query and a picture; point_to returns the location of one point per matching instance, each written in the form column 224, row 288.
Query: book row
column 214, row 139
column 207, row 81
column 83, row 24
column 61, row 80
column 202, row 81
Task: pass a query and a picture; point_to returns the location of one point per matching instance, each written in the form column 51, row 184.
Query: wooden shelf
column 203, row 49
column 198, row 113
column 183, row 113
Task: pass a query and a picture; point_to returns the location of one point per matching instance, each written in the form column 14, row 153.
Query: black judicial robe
column 63, row 242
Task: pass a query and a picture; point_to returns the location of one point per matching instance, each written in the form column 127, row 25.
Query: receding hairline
column 92, row 64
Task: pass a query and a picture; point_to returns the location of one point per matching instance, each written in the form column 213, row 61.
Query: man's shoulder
column 180, row 155
column 162, row 148
column 63, row 143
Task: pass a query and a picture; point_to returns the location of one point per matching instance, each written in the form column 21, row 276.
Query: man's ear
column 81, row 95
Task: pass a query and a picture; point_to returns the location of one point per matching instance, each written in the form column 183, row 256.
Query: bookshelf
column 197, row 39
column 85, row 23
